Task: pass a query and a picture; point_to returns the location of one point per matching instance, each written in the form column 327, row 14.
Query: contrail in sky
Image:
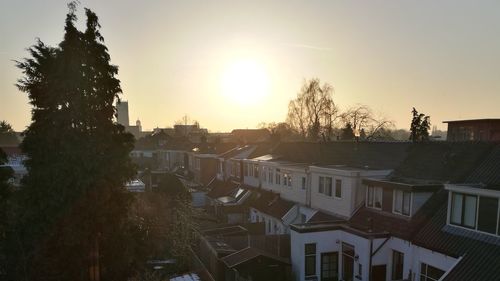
column 311, row 47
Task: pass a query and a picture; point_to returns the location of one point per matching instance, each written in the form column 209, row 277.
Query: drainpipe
column 370, row 260
column 308, row 187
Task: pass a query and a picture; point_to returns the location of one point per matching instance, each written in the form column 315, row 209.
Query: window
column 402, row 201
column 238, row 170
column 325, row 186
column 264, row 174
column 463, row 210
column 397, row 265
column 488, row 214
column 245, row 170
column 271, row 175
column 287, row 179
column 321, row 185
column 347, row 261
column 255, row 171
column 329, row 266
column 278, row 176
column 430, row 273
column 303, row 183
column 338, row 188
column 374, row 197
column 310, row 259
column 269, row 226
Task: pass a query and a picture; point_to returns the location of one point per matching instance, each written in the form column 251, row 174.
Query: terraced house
column 370, row 211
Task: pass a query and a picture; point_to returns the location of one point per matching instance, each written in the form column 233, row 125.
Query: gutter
column 451, row 269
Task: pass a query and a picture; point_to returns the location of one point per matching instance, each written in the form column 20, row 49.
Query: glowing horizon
column 233, row 65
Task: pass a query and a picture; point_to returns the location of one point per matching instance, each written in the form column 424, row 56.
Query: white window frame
column 402, row 202
column 373, row 197
column 478, row 202
column 324, row 186
column 334, row 188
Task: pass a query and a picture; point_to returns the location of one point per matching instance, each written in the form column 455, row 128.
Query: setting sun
column 245, row 81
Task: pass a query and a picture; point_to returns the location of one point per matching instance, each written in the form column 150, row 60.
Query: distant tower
column 138, row 125
column 122, row 113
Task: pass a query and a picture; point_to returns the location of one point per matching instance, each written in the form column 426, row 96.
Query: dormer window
column 374, row 197
column 477, row 212
column 402, row 202
column 463, row 210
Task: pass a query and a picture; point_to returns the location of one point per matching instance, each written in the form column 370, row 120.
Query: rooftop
column 376, row 155
column 479, row 257
column 474, row 120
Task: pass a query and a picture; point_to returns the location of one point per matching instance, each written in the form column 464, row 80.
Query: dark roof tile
column 480, row 259
column 375, row 155
column 220, row 188
column 270, row 203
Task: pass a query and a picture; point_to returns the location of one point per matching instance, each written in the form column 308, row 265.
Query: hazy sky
column 176, row 57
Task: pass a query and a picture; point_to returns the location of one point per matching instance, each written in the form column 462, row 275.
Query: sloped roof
column 324, row 217
column 442, row 161
column 403, row 227
column 248, row 254
column 238, row 152
column 250, row 135
column 270, row 203
column 376, row 155
column 480, row 259
column 220, row 188
column 488, row 172
column 261, row 149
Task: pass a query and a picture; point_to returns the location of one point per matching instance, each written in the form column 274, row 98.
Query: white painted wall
column 339, row 206
column 328, row 241
column 295, row 193
column 353, row 191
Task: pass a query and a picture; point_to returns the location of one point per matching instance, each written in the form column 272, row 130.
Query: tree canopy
column 75, row 208
column 313, row 111
column 419, row 127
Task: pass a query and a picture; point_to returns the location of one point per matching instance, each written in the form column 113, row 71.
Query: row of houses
column 365, row 211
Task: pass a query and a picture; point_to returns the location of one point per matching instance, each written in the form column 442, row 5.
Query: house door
column 330, row 266
column 379, row 272
column 347, row 262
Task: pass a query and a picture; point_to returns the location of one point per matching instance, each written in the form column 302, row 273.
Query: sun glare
column 245, row 82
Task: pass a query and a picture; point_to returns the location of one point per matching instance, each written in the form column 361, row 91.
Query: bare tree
column 280, row 131
column 313, row 111
column 362, row 119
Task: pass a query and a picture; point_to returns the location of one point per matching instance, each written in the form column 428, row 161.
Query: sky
column 233, row 64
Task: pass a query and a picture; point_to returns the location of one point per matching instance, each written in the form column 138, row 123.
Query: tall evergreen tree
column 74, row 222
column 419, row 126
